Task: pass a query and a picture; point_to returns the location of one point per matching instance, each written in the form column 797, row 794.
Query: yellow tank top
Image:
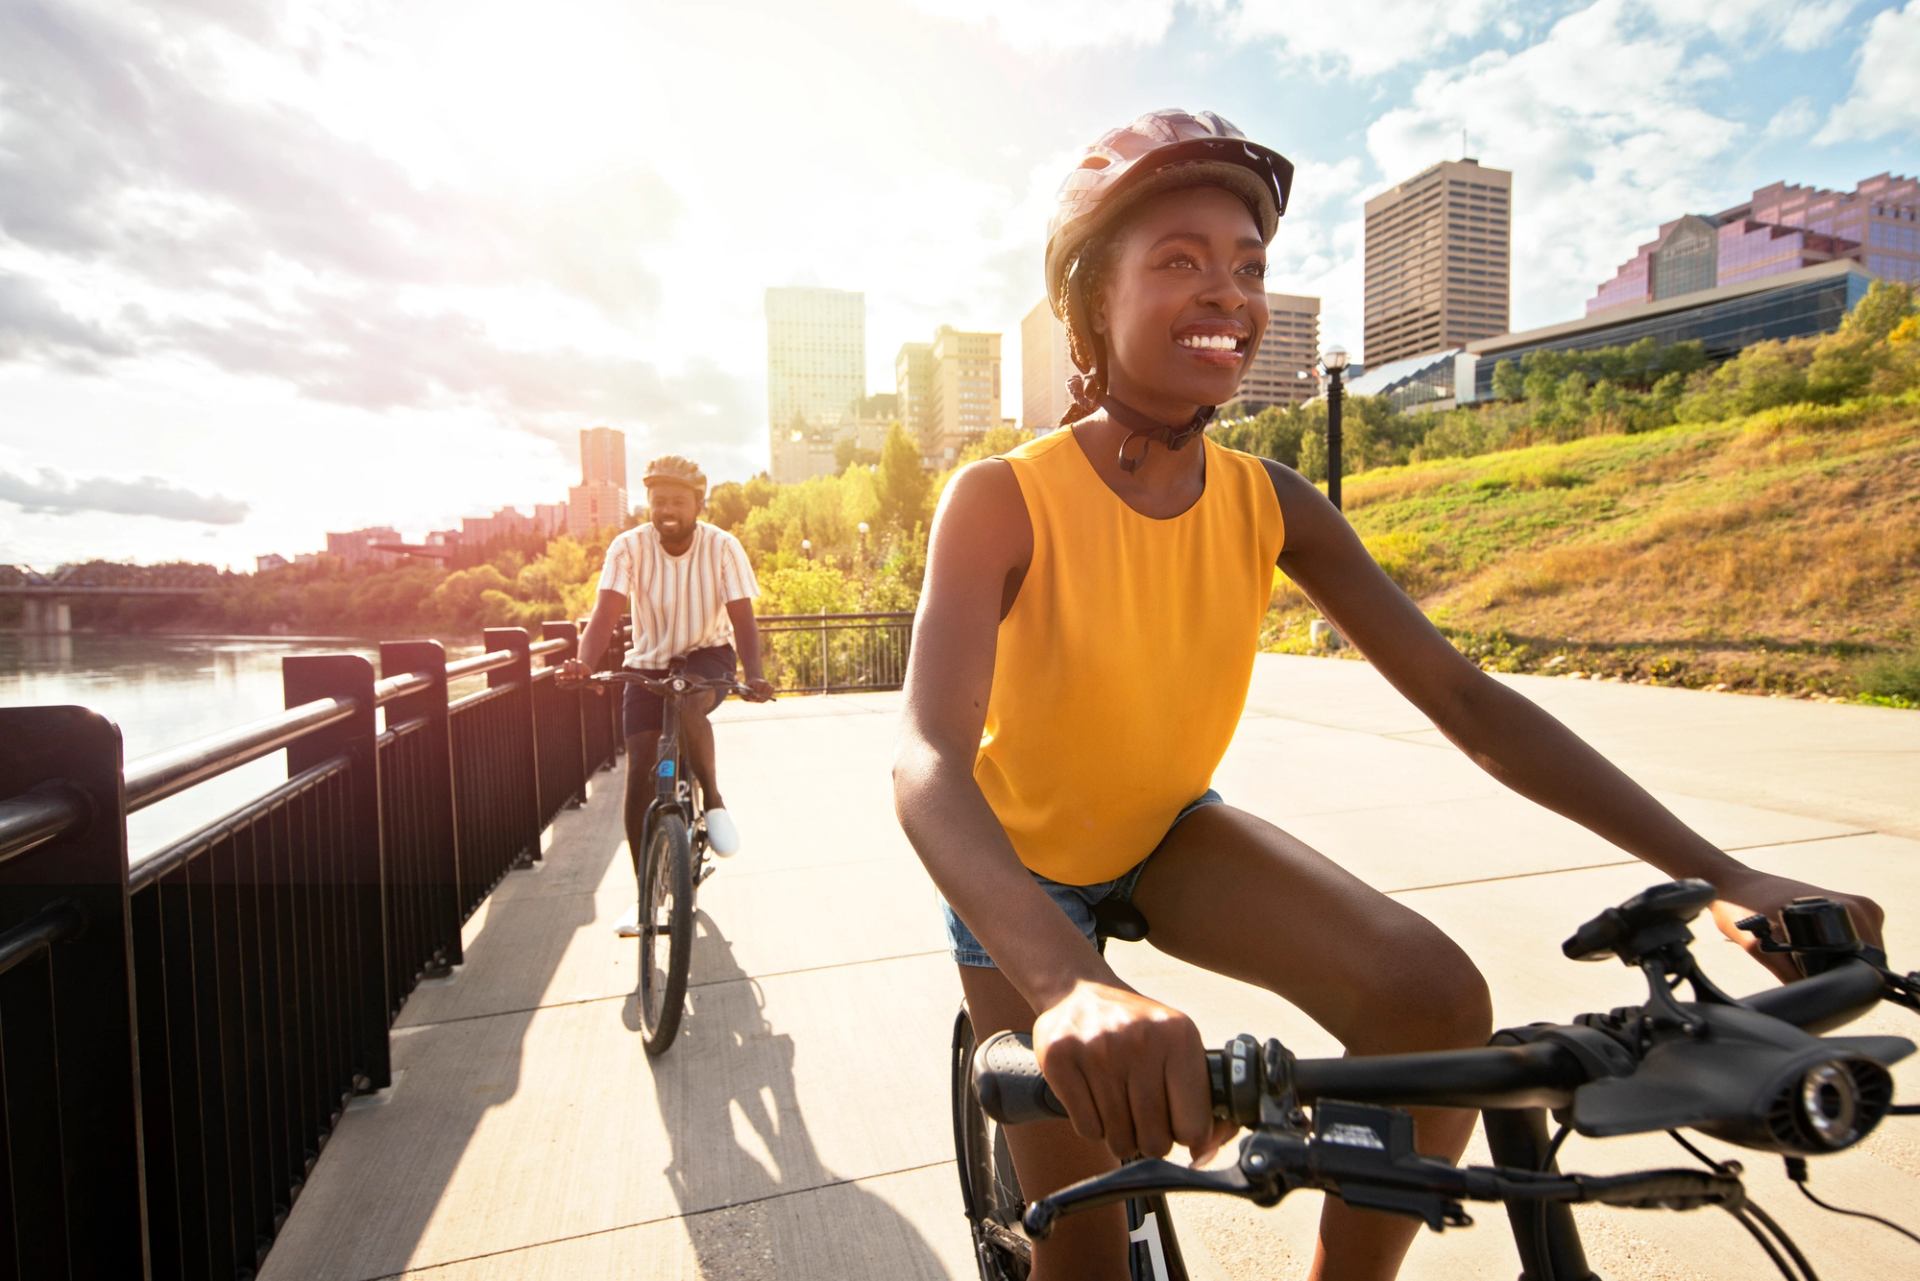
column 1122, row 669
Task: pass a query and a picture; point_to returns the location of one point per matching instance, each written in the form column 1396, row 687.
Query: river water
column 166, row 690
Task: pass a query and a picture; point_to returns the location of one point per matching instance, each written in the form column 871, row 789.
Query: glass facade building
column 1812, row 300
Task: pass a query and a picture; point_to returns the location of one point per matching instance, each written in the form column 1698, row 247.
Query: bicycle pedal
column 707, row 868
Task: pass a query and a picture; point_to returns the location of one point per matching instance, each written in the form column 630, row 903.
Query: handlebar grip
column 1824, row 1001
column 1007, row 1077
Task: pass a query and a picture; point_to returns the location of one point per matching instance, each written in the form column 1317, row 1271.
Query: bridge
column 47, row 599
column 385, row 1029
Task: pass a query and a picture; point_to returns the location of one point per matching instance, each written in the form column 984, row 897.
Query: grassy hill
column 1776, row 552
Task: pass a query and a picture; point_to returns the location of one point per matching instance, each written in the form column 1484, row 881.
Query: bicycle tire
column 990, row 1191
column 666, row 900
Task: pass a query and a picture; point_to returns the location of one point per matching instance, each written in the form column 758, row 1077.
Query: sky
column 269, row 268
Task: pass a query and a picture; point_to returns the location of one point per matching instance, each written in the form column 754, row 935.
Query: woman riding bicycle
column 1037, row 780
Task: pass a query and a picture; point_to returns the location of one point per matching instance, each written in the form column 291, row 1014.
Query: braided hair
column 1087, row 348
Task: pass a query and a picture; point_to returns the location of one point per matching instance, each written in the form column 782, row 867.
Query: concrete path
column 799, row 1126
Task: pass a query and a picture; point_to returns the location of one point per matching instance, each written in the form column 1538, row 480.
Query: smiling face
column 1182, row 301
column 673, row 509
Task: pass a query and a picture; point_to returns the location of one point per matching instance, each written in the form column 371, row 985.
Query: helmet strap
column 1140, row 426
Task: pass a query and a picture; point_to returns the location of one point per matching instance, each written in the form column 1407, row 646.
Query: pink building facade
column 1782, row 228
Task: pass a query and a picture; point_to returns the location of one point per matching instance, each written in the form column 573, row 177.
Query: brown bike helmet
column 1160, row 151
column 675, row 470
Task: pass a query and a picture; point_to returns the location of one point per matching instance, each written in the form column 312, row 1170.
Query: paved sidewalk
column 799, row 1127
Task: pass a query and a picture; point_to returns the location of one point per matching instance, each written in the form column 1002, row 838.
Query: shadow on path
column 731, row 1109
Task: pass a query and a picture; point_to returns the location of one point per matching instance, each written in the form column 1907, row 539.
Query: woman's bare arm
column 1503, row 732
column 982, row 540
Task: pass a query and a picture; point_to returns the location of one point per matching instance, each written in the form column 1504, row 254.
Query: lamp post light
column 863, row 528
column 806, row 545
column 1334, row 361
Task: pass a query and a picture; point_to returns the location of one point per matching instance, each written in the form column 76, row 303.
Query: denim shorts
column 1077, row 901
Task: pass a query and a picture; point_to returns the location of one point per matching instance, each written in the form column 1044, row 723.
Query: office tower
column 599, row 501
column 1779, row 229
column 1438, row 248
column 1291, row 346
column 816, row 369
column 1045, row 366
column 913, row 389
column 964, row 400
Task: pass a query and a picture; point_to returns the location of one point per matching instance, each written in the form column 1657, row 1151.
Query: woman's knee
column 1430, row 996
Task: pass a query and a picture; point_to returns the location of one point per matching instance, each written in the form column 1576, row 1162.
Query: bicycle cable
column 1740, row 1217
column 1797, row 1171
column 1766, row 1220
column 1541, row 1248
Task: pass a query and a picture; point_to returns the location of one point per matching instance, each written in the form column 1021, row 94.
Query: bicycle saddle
column 1114, row 919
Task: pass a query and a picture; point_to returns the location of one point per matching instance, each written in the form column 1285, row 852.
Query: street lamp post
column 863, row 527
column 806, row 546
column 1334, row 361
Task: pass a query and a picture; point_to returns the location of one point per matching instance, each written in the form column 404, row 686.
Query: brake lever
column 1136, row 1178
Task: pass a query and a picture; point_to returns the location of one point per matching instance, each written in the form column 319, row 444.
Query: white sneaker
column 628, row 926
column 723, row 838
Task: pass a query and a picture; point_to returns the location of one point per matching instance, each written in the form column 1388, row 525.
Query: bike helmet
column 1160, row 151
column 675, row 470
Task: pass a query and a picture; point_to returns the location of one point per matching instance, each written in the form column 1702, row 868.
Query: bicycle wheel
column 990, row 1191
column 989, row 1188
column 666, row 930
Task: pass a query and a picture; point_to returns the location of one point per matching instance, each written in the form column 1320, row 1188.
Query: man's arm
column 607, row 607
column 746, row 639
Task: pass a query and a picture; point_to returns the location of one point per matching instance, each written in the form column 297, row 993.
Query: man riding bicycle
column 689, row 589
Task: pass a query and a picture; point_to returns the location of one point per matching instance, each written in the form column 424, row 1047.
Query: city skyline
column 263, row 276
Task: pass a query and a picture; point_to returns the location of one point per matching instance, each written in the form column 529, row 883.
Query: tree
column 903, row 483
column 1507, row 382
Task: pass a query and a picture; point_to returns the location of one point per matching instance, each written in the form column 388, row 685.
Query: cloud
column 265, row 243
column 1795, row 120
column 1367, row 37
column 1598, row 123
column 33, row 324
column 1063, row 24
column 147, row 496
column 1747, row 24
column 1886, row 88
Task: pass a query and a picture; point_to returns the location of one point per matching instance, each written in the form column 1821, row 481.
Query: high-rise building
column 1291, row 346
column 1438, row 253
column 1780, row 229
column 599, row 501
column 359, row 547
column 1045, row 366
column 965, row 400
column 816, row 369
column 913, row 389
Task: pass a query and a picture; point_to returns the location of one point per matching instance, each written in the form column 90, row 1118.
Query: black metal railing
column 180, row 1032
column 836, row 653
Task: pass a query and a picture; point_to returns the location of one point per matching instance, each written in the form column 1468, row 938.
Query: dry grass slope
column 1779, row 551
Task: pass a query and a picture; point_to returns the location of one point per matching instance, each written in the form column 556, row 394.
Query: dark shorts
column 641, row 710
column 1077, row 901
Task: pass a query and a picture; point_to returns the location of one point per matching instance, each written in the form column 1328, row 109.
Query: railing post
column 308, row 677
column 522, row 749
column 436, row 812
column 99, row 1189
column 563, row 630
column 826, row 678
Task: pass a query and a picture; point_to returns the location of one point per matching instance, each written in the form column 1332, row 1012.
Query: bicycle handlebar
column 672, row 683
column 1543, row 1073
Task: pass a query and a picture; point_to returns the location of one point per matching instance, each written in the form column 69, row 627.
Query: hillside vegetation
column 1775, row 551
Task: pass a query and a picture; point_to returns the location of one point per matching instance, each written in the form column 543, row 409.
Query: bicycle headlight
column 1814, row 1106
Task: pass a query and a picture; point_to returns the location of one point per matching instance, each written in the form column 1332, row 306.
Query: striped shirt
column 679, row 603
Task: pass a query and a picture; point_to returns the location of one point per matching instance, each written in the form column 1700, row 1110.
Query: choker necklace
column 1140, row 426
